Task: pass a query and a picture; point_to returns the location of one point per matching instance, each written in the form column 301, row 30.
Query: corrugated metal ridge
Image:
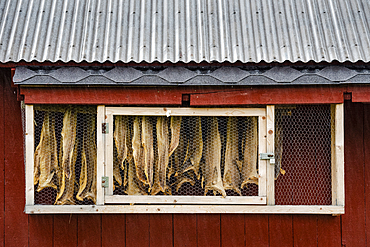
column 224, row 75
column 184, row 31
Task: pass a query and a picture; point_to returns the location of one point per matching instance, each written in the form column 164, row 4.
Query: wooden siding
column 19, row 229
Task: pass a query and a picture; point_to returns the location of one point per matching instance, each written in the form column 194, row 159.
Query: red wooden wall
column 19, row 229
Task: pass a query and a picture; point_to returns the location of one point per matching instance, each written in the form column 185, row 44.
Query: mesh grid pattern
column 65, row 155
column 185, row 156
column 303, row 139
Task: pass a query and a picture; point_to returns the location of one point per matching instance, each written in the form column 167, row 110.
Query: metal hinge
column 105, row 182
column 268, row 156
column 105, row 128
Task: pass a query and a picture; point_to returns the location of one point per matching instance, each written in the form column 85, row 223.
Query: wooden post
column 338, row 156
column 262, row 164
column 30, row 145
column 100, row 155
column 270, row 149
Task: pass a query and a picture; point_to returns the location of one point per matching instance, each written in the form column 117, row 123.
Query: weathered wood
column 100, row 143
column 209, row 229
column 305, row 230
column 338, row 171
column 65, row 230
column 367, row 169
column 256, row 230
column 232, row 230
column 262, row 164
column 29, row 144
column 281, row 230
column 113, row 230
column 109, row 142
column 89, row 230
column 270, row 173
column 137, row 230
column 161, row 230
column 185, row 230
column 3, row 74
column 40, row 232
column 328, row 230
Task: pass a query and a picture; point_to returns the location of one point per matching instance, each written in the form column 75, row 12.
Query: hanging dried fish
column 196, row 146
column 249, row 169
column 147, row 143
column 231, row 179
column 87, row 185
column 120, row 135
column 212, row 167
column 138, row 151
column 67, row 185
column 46, row 155
column 133, row 185
column 175, row 133
column 69, row 137
column 163, row 149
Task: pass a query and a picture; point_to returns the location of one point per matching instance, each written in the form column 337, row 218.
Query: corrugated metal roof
column 184, row 31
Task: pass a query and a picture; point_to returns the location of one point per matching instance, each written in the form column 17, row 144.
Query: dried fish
column 147, row 143
column 133, row 187
column 175, row 133
column 87, row 185
column 231, row 179
column 196, row 146
column 138, row 151
column 46, row 155
column 212, row 166
column 69, row 137
column 163, row 149
column 249, row 169
column 120, row 136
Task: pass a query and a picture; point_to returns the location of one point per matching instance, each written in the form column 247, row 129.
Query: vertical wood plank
column 338, row 172
column 208, row 229
column 256, row 230
column 270, row 174
column 232, row 230
column 161, row 230
column 2, row 142
column 100, row 155
column 89, row 230
column 109, row 154
column 353, row 221
column 137, row 230
column 367, row 169
column 40, row 230
column 280, row 230
column 16, row 222
column 329, row 231
column 65, row 230
column 184, row 230
column 262, row 164
column 29, row 145
column 113, row 230
column 305, row 230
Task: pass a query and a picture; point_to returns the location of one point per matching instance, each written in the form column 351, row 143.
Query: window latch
column 268, row 156
column 105, row 182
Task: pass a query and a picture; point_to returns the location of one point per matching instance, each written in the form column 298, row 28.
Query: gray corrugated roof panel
column 184, row 31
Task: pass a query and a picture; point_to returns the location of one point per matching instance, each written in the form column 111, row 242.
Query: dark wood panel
column 89, row 230
column 184, row 230
column 232, row 230
column 113, row 230
column 329, row 231
column 137, row 230
column 305, row 230
column 65, row 230
column 280, row 230
column 208, row 229
column 16, row 222
column 256, row 230
column 40, row 230
column 353, row 221
column 161, row 230
column 3, row 73
column 367, row 169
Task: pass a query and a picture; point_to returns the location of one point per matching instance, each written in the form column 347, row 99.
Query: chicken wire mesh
column 303, row 149
column 187, row 156
column 65, row 155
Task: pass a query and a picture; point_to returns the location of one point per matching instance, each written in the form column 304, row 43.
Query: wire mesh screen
column 65, row 155
column 303, row 140
column 198, row 156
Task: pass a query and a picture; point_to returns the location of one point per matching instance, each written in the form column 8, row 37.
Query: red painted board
column 65, row 230
column 89, row 230
column 269, row 95
column 360, row 93
column 232, row 230
column 305, row 230
column 16, row 222
column 208, row 228
column 161, row 230
column 3, row 73
column 353, row 221
column 113, row 230
column 40, row 230
column 184, row 230
column 137, row 230
column 329, row 231
column 106, row 95
column 280, row 230
column 256, row 230
column 367, row 168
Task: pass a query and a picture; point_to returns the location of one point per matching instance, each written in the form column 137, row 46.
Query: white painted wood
column 168, row 111
column 109, row 142
column 262, row 164
column 100, row 155
column 338, row 172
column 30, row 147
column 126, row 209
column 270, row 149
column 123, row 199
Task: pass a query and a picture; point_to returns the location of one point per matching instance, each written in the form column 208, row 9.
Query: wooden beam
column 30, row 145
column 270, row 176
column 100, row 155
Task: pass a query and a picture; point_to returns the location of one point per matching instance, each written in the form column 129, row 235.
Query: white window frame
column 263, row 203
